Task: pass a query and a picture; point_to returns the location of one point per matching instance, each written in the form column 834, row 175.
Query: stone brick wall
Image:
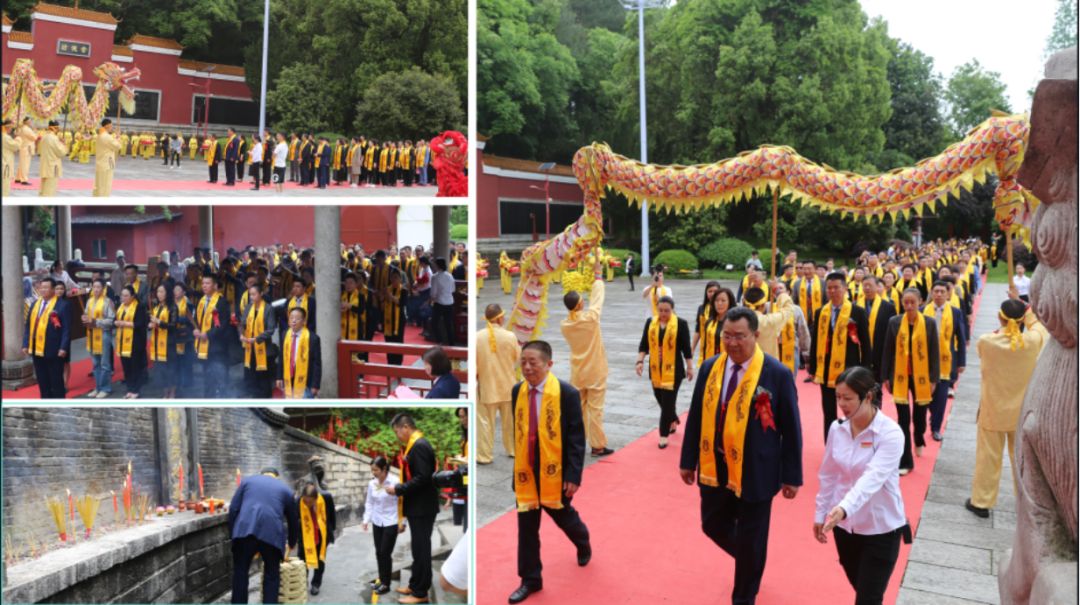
column 86, row 450
column 47, row 450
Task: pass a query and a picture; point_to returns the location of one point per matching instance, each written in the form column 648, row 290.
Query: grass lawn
column 1000, row 274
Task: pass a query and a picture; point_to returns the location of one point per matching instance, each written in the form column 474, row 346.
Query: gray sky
column 1006, row 37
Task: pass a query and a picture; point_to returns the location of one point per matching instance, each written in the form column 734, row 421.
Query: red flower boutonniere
column 763, row 407
column 217, row 320
column 233, row 321
column 54, row 319
column 853, row 332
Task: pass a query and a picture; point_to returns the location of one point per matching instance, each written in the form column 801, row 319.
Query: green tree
column 972, row 92
column 409, row 105
column 1063, row 35
column 915, row 129
column 294, row 107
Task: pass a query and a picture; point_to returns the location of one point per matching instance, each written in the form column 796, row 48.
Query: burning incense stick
column 88, row 507
column 56, row 507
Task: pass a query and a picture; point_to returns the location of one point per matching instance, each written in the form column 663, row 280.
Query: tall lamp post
column 640, row 6
column 206, row 97
column 262, row 83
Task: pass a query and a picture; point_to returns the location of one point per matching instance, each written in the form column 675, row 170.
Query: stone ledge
column 58, row 570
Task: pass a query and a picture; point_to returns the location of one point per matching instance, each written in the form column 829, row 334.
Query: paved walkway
column 630, row 410
column 955, row 557
column 140, row 178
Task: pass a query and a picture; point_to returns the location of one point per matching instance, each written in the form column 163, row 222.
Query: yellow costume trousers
column 984, row 485
column 486, row 420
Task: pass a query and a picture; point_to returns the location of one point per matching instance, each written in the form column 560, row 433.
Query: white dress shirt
column 861, row 474
column 380, row 508
column 442, row 288
column 1023, row 284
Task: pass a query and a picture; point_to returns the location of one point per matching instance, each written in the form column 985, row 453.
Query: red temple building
column 170, row 94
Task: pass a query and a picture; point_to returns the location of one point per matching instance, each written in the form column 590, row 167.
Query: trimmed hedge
column 459, row 232
column 677, row 260
column 724, row 251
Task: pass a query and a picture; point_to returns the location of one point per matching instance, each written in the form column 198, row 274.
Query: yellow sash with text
column 416, row 435
column 95, row 308
column 307, row 524
column 160, row 349
column 39, row 324
column 662, row 354
column 253, row 326
column 205, row 321
column 839, row 344
column 945, row 334
column 734, row 429
column 549, row 434
column 295, row 383
column 125, row 336
column 920, row 363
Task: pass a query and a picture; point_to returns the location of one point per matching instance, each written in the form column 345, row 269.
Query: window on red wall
column 99, row 250
column 146, row 103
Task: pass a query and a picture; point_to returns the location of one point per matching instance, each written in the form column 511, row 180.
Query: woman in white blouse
column 381, row 511
column 859, row 499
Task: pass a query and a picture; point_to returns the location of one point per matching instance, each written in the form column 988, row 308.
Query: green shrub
column 459, row 232
column 677, row 260
column 724, row 251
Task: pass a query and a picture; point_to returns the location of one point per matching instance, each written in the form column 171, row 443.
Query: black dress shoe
column 382, row 589
column 604, row 451
column 808, row 379
column 314, row 590
column 979, row 512
column 937, row 436
column 522, row 593
column 584, row 555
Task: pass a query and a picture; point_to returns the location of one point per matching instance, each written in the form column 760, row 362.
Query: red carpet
column 646, row 532
column 80, row 383
column 647, row 542
column 164, row 185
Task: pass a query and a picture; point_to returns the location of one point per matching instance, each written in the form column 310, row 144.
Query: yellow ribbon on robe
column 295, row 384
column 734, row 429
column 920, row 365
column 549, row 435
column 40, row 324
column 873, row 318
column 350, row 320
column 95, row 308
column 307, row 526
column 787, row 344
column 181, row 311
column 160, row 349
column 253, row 326
column 125, row 336
column 708, row 341
column 662, row 355
column 205, row 320
column 491, row 331
column 1012, row 330
column 839, row 344
column 392, row 312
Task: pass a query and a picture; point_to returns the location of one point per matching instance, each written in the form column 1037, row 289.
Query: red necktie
column 534, row 419
column 733, row 383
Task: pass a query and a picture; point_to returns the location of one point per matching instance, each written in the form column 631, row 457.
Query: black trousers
column 566, row 518
column 267, row 170
column 49, row 372
column 741, row 528
column 305, row 174
column 828, row 407
column 444, row 323
column 259, row 385
column 255, row 168
column 868, row 562
column 630, row 276
column 904, row 419
column 316, row 578
column 243, row 550
column 385, row 539
column 214, row 376
column 134, row 373
column 937, row 405
column 420, row 528
column 395, row 360
column 212, row 168
column 230, row 172
column 667, row 399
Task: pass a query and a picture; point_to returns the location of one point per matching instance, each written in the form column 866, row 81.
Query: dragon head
column 116, row 78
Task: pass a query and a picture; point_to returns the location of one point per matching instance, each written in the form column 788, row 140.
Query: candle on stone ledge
column 200, row 482
column 181, row 485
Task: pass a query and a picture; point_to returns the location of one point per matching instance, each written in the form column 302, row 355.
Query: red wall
column 234, row 226
column 159, row 72
column 490, row 189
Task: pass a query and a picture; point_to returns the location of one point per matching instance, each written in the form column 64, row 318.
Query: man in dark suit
column 535, row 367
column 291, row 343
column 421, row 504
column 211, row 316
column 940, row 295
column 878, row 313
column 735, row 515
column 47, row 339
column 854, row 334
column 232, row 157
column 261, row 509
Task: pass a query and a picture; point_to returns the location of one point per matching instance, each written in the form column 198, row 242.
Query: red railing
column 358, row 379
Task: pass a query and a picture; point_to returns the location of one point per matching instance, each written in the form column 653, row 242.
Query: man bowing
column 744, row 440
